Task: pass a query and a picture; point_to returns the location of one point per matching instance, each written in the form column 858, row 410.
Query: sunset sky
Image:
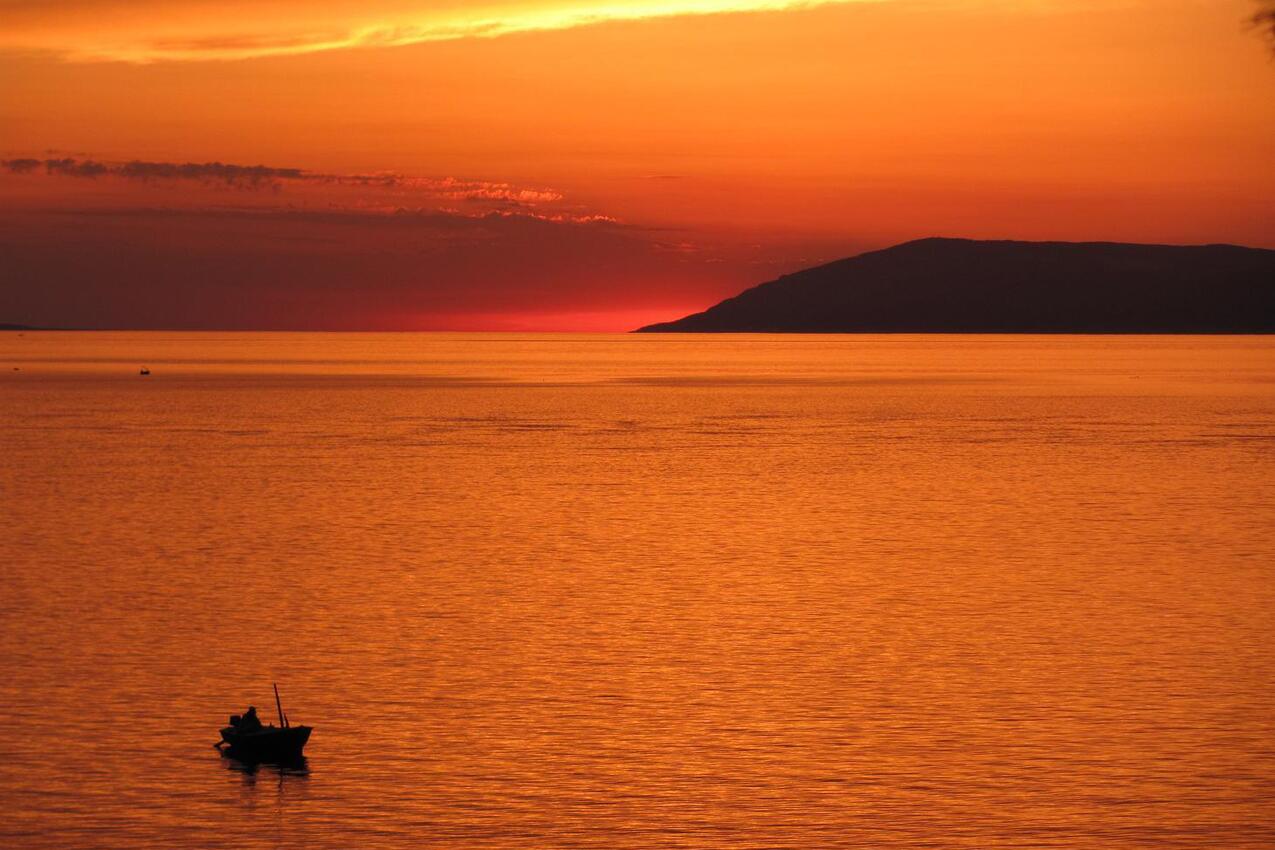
column 591, row 164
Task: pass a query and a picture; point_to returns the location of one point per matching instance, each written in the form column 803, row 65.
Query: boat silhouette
column 245, row 739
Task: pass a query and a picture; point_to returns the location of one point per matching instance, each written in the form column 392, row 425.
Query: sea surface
column 639, row 591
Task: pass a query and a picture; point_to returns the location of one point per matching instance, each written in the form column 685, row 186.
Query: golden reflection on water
column 631, row 592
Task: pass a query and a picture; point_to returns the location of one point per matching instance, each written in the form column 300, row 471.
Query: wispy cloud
column 381, row 192
column 282, row 28
column 250, row 175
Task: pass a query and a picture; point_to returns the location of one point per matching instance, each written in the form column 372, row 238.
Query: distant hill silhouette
column 965, row 286
column 12, row 327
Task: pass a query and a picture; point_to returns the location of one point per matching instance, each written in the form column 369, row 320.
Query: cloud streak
column 262, row 177
column 249, row 175
column 266, row 29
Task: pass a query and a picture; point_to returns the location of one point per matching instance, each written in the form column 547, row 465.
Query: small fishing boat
column 269, row 743
column 246, row 739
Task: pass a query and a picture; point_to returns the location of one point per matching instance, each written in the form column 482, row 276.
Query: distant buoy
column 145, row 372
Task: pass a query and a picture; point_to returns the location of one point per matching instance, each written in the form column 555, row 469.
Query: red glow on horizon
column 600, row 321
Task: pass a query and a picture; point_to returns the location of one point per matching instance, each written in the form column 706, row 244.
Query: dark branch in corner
column 1264, row 20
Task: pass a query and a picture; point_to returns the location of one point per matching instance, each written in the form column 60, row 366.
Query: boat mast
column 283, row 721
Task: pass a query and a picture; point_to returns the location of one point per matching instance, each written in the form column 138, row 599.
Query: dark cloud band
column 140, row 170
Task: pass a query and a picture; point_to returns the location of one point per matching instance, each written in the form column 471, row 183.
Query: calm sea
column 639, row 591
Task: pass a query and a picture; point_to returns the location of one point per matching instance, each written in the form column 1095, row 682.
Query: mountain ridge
column 949, row 285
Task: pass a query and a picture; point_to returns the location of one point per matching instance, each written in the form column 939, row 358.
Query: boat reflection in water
column 299, row 767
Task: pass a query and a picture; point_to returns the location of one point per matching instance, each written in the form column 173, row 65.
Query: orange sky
column 578, row 164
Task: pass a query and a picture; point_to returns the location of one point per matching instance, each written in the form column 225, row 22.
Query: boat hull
column 270, row 743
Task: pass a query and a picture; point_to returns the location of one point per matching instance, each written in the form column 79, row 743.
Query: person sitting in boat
column 249, row 722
